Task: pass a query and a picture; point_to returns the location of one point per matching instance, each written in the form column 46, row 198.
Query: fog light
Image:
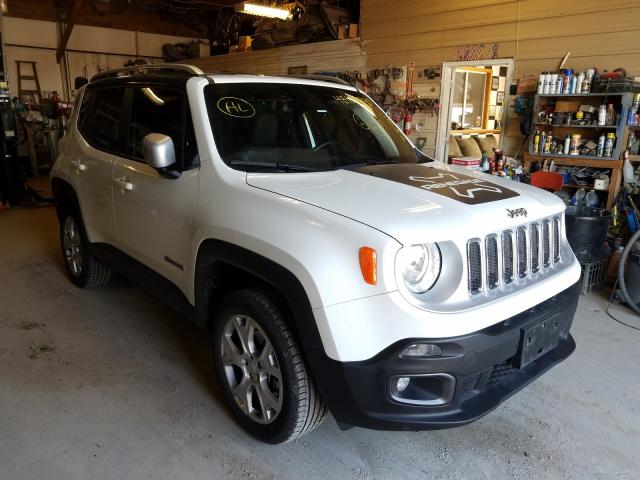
column 422, row 350
column 403, row 383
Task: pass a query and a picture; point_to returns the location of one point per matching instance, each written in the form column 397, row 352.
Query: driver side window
column 158, row 110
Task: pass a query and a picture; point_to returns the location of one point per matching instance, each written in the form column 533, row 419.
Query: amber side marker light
column 369, row 265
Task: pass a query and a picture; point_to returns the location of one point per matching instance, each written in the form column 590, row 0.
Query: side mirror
column 159, row 153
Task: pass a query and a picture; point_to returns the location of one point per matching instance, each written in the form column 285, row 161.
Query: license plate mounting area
column 537, row 339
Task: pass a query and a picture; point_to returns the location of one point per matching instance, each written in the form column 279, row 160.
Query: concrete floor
column 127, row 392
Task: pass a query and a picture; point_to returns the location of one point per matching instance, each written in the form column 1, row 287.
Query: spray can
column 543, row 140
column 575, row 144
column 559, row 84
column 608, row 145
column 574, row 82
column 566, row 88
column 547, row 83
column 552, row 83
column 602, row 115
column 579, row 82
column 600, row 149
column 536, row 142
column 541, row 83
column 567, row 144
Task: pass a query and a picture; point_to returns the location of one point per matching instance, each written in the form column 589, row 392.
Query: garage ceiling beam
column 70, row 23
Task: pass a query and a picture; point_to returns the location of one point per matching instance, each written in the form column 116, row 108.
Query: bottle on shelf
column 547, row 82
column 608, row 145
column 567, row 144
column 573, row 85
column 602, row 115
column 541, row 83
column 627, row 169
column 536, row 142
column 611, row 115
column 579, row 83
column 589, row 80
column 575, row 144
column 601, row 141
column 552, row 83
column 543, row 140
column 559, row 83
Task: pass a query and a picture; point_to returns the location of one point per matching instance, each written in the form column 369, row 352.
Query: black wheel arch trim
column 325, row 371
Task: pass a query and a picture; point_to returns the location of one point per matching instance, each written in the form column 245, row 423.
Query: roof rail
column 322, row 78
column 149, row 69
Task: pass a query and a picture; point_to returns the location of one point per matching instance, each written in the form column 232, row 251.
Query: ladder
column 23, row 93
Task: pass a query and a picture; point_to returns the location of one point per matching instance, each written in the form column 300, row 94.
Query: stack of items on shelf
column 497, row 164
column 566, row 82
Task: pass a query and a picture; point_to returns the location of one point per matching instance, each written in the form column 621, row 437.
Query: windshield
column 290, row 127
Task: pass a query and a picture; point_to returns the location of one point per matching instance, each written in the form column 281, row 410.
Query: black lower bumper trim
column 484, row 365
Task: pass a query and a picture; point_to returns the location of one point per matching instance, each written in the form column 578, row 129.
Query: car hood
column 417, row 202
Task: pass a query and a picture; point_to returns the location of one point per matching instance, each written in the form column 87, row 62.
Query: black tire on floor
column 91, row 272
column 302, row 409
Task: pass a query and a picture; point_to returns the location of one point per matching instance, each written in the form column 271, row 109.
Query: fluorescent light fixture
column 264, row 11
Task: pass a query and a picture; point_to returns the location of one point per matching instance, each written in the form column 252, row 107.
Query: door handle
column 123, row 184
column 79, row 165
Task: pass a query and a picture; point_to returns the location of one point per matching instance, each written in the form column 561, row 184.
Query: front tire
column 261, row 371
column 83, row 269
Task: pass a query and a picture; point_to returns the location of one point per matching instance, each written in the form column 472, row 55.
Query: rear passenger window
column 156, row 110
column 105, row 122
column 84, row 114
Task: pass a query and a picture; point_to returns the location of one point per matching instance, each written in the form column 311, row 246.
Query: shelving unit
column 623, row 101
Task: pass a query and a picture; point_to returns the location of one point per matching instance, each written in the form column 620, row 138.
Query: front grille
column 535, row 247
column 546, row 244
column 492, row 262
column 475, row 266
column 556, row 239
column 523, row 250
column 509, row 255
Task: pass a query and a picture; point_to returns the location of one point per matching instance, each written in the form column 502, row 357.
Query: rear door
column 100, row 126
column 154, row 213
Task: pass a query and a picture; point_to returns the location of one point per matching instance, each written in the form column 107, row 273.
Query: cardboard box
column 567, row 105
column 465, row 161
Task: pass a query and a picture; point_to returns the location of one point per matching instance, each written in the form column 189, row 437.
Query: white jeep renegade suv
column 333, row 264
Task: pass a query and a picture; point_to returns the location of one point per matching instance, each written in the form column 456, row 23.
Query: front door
column 154, row 213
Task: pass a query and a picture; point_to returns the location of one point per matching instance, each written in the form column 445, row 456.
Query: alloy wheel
column 72, row 244
column 251, row 369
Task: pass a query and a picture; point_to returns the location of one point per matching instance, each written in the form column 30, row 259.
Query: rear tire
column 83, row 269
column 261, row 372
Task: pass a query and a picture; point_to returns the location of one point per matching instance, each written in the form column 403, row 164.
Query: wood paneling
column 537, row 33
column 326, row 56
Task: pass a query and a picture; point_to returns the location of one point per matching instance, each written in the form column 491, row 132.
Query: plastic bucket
column 587, row 229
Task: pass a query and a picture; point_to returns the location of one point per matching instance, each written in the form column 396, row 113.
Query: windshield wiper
column 273, row 165
column 369, row 161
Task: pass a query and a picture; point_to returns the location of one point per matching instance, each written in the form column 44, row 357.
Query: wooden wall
column 537, row 33
column 326, row 56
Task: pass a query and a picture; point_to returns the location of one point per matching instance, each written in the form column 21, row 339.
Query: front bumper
column 483, row 364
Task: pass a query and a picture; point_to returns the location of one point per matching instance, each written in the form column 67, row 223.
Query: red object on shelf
column 547, row 180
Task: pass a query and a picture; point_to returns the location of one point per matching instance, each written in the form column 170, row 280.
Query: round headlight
column 420, row 266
